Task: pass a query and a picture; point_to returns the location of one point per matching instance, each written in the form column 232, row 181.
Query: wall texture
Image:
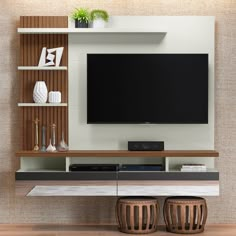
column 90, row 210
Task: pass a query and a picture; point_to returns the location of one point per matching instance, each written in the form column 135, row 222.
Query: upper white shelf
column 42, row 104
column 42, row 68
column 90, row 30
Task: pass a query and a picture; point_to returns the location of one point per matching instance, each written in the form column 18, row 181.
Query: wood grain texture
column 167, row 183
column 122, row 153
column 190, row 222
column 97, row 230
column 84, row 210
column 30, row 48
column 137, row 215
column 24, row 187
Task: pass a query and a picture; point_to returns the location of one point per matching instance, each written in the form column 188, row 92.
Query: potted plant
column 81, row 17
column 99, row 18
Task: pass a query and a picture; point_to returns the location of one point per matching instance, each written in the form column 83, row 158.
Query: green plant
column 81, row 14
column 99, row 14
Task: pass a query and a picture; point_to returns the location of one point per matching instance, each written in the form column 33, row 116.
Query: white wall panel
column 188, row 34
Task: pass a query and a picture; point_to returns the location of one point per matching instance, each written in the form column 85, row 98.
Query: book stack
column 193, row 167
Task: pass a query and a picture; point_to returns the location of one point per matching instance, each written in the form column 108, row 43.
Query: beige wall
column 98, row 210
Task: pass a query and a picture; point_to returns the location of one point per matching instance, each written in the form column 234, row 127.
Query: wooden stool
column 137, row 215
column 185, row 215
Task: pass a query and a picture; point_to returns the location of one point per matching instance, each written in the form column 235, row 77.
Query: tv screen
column 147, row 88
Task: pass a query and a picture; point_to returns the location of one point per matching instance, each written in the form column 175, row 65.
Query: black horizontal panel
column 65, row 175
column 122, row 175
column 161, row 175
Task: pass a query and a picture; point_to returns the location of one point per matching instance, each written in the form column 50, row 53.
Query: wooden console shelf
column 121, row 153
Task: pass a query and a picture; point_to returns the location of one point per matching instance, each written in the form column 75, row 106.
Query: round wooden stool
column 137, row 215
column 185, row 215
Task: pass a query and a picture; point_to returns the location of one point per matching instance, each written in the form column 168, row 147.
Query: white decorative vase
column 40, row 93
column 99, row 23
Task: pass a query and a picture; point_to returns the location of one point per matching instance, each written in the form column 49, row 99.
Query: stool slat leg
column 132, row 217
column 168, row 216
column 158, row 213
column 165, row 213
column 199, row 216
column 140, row 217
column 204, row 214
column 124, row 216
column 191, row 216
column 174, row 216
column 153, row 215
column 195, row 216
column 182, row 218
column 148, row 218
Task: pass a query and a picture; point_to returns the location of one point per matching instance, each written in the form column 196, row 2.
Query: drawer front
column 66, row 188
column 168, row 188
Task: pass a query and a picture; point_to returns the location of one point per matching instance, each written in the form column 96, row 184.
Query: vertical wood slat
column 30, row 50
column 148, row 218
column 182, row 218
column 44, row 21
column 132, row 217
column 191, row 216
column 140, row 218
column 174, row 216
column 154, row 216
column 199, row 216
column 204, row 209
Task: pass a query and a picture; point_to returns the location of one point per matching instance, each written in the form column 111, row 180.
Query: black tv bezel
column 147, row 122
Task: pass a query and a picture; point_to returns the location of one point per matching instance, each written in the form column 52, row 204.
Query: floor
column 72, row 230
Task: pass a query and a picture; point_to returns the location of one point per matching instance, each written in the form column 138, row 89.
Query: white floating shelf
column 89, row 190
column 90, row 30
column 42, row 104
column 42, row 68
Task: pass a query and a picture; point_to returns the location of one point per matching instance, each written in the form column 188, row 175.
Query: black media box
column 94, row 167
column 147, row 167
column 145, row 145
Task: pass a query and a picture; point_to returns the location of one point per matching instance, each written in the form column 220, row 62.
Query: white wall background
column 188, row 34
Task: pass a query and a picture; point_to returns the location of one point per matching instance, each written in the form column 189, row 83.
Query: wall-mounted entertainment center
column 48, row 174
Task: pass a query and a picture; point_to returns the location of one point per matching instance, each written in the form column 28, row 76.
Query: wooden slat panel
column 47, row 117
column 30, row 49
column 55, row 81
column 44, row 21
column 33, row 43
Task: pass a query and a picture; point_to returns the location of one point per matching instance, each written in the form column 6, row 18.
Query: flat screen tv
column 147, row 88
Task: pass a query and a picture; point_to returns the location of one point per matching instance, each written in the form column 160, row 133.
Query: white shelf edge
column 90, row 30
column 42, row 104
column 42, row 68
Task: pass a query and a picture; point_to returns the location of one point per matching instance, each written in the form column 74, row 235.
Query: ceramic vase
column 99, row 24
column 40, row 93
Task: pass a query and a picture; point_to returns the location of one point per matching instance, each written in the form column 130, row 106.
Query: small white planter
column 54, row 97
column 40, row 93
column 99, row 23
